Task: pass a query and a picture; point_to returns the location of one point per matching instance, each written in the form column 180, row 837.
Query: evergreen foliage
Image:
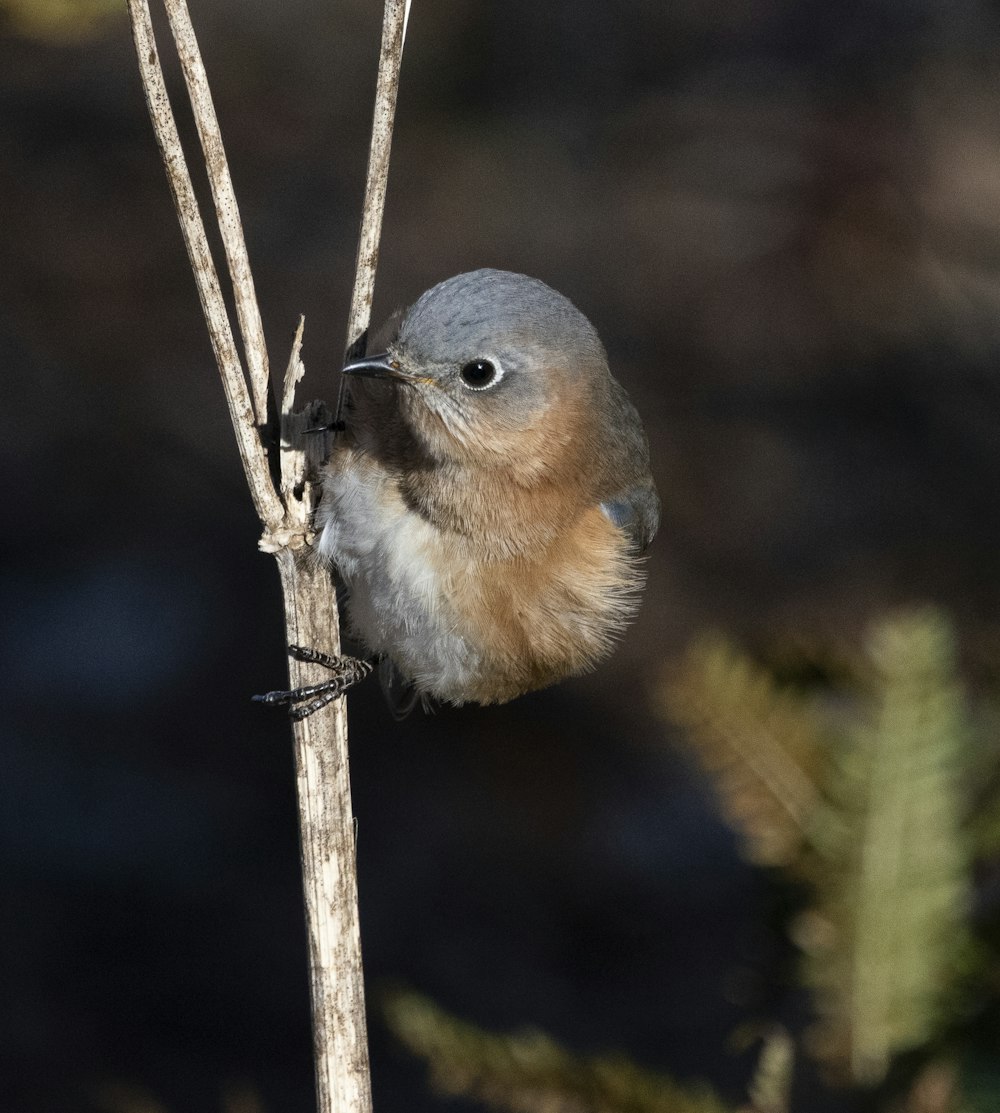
column 893, row 897
column 758, row 743
column 875, row 793
column 531, row 1073
column 876, row 828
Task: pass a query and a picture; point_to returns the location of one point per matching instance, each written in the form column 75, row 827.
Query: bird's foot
column 303, row 702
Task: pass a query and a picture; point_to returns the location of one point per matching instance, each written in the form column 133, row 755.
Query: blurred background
column 783, row 217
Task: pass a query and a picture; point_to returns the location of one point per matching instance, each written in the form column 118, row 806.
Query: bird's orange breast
column 544, row 615
column 537, row 592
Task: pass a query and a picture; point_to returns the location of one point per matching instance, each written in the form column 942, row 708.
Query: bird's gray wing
column 636, row 512
column 628, row 496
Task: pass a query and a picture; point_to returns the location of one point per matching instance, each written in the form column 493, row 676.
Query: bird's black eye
column 478, row 373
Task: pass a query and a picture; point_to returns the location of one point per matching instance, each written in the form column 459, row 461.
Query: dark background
column 783, row 217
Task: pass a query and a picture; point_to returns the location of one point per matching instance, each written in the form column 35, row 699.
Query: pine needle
column 887, row 928
column 531, row 1073
column 760, row 744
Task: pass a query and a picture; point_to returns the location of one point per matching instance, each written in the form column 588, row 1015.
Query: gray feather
column 637, row 513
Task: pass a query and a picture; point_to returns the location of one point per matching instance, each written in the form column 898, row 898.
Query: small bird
column 488, row 503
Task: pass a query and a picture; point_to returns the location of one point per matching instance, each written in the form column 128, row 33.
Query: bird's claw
column 305, row 701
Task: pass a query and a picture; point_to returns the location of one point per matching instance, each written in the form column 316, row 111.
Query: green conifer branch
column 531, row 1073
column 760, row 744
column 888, row 927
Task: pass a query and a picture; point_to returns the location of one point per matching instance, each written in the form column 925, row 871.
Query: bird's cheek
column 435, row 429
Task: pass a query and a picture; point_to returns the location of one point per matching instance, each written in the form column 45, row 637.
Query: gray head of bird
column 494, row 366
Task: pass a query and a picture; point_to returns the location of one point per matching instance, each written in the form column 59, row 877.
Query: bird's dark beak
column 380, row 366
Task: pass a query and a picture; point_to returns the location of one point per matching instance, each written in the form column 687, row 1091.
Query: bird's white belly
column 392, row 562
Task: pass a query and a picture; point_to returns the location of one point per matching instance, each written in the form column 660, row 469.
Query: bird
column 488, row 504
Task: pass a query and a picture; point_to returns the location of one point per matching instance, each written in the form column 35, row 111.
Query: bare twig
column 251, row 448
column 377, row 178
column 329, row 877
column 226, row 210
column 340, row 1038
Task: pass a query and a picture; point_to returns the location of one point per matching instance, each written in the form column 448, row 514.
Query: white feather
column 386, row 554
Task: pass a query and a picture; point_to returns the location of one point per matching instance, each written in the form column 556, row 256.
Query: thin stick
column 226, row 210
column 326, row 826
column 377, row 178
column 252, row 451
column 329, row 875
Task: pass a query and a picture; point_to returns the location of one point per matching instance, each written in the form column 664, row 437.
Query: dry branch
column 252, row 451
column 226, row 210
column 377, row 178
column 321, row 755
